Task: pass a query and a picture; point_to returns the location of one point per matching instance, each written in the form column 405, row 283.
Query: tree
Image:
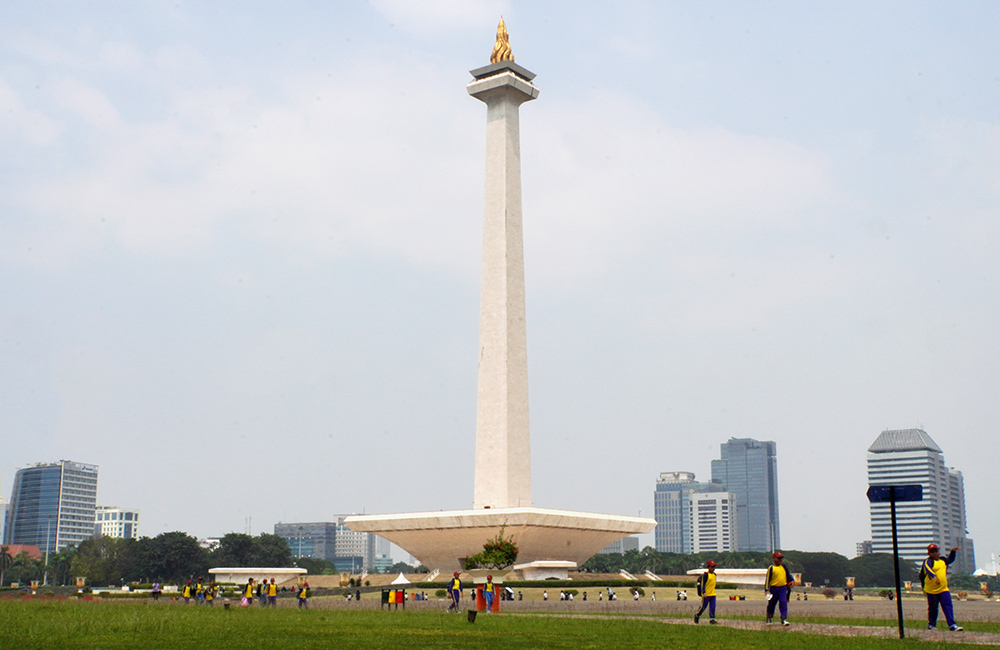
column 402, row 567
column 169, row 557
column 23, row 569
column 819, row 568
column 498, row 553
column 6, row 559
column 104, row 560
column 235, row 550
column 316, row 566
column 876, row 570
column 271, row 551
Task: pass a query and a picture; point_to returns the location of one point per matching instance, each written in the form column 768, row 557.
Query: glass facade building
column 52, row 505
column 675, row 525
column 749, row 470
column 333, row 541
column 909, row 457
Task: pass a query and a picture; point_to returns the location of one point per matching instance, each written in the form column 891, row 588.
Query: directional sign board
column 886, row 493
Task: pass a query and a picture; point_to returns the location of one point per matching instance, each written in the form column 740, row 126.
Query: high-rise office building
column 332, row 541
column 672, row 499
column 3, row 516
column 112, row 521
column 749, row 469
column 310, row 539
column 713, row 522
column 52, row 505
column 909, row 457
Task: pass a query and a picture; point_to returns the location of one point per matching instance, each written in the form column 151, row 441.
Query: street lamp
column 48, row 534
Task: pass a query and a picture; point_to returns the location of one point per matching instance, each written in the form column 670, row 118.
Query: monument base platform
column 442, row 540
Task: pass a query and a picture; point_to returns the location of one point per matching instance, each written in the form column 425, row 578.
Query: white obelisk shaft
column 503, row 454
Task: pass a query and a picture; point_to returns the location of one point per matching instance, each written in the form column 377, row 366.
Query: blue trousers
column 488, row 595
column 779, row 596
column 943, row 599
column 709, row 602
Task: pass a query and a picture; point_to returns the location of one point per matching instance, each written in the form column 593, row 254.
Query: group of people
column 267, row 594
column 455, row 592
column 778, row 583
column 203, row 594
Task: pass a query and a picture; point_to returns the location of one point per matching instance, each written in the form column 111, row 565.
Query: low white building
column 239, row 575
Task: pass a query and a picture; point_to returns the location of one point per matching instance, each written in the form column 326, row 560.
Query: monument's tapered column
column 550, row 541
column 503, row 467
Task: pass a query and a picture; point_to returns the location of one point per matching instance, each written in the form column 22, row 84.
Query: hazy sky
column 240, row 245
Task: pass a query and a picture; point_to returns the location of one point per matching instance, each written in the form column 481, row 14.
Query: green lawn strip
column 110, row 626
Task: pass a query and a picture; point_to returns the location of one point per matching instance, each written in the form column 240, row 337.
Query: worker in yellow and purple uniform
column 210, row 593
column 304, row 596
column 934, row 579
column 248, row 592
column 706, row 589
column 489, row 591
column 455, row 591
column 777, row 584
column 272, row 594
column 187, row 592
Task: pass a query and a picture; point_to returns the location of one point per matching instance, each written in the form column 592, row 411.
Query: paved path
column 975, row 638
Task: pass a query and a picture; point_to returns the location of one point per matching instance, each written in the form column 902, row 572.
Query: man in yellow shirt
column 706, row 589
column 776, row 587
column 455, row 591
column 272, row 594
column 934, row 579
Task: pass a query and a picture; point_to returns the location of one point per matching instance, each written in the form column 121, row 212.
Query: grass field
column 51, row 624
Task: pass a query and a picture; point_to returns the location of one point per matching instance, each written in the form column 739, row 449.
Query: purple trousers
column 944, row 600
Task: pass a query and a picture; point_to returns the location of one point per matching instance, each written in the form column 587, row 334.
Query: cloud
column 18, row 122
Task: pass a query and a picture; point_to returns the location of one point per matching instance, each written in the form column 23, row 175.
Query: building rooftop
column 903, row 440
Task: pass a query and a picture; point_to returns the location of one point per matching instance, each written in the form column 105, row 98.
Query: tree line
column 822, row 569
column 167, row 558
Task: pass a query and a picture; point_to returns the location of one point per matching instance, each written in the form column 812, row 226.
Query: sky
column 240, row 248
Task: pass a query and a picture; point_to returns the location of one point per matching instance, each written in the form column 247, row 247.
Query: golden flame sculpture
column 501, row 51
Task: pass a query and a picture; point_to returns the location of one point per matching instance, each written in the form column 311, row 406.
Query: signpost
column 892, row 494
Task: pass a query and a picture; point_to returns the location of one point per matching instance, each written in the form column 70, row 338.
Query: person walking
column 777, row 584
column 210, row 594
column 934, row 580
column 157, row 590
column 272, row 594
column 304, row 596
column 489, row 591
column 248, row 593
column 706, row 589
column 455, row 591
column 187, row 593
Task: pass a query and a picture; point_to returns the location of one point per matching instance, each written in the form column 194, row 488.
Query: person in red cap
column 706, row 589
column 455, row 591
column 304, row 596
column 777, row 584
column 934, row 580
column 489, row 591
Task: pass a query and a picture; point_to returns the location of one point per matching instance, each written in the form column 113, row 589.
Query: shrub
column 498, row 553
column 830, row 593
column 440, row 593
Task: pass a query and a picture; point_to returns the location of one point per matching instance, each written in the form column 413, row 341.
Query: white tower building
column 910, row 457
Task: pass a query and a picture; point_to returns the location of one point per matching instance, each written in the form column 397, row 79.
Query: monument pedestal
column 442, row 540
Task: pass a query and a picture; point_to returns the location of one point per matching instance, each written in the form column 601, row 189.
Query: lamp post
column 48, row 534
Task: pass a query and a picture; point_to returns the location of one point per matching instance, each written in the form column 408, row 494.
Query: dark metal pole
column 895, row 559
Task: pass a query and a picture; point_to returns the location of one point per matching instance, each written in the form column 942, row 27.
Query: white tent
column 401, row 580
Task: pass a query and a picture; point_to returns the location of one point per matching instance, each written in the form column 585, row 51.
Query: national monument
column 550, row 541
